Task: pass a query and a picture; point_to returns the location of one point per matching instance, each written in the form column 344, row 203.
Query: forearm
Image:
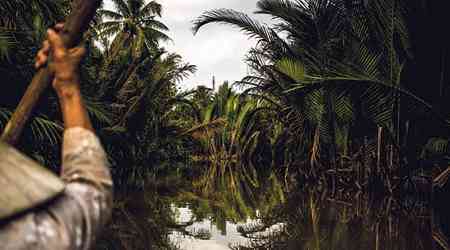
column 83, row 155
column 72, row 107
column 85, row 170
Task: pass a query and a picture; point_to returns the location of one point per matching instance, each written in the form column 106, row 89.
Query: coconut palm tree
column 135, row 33
column 133, row 24
column 143, row 118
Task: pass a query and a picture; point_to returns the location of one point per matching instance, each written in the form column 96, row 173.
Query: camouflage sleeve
column 74, row 220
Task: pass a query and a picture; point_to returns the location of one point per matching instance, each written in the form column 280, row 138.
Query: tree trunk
column 76, row 23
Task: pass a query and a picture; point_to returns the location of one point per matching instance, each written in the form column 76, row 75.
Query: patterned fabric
column 73, row 220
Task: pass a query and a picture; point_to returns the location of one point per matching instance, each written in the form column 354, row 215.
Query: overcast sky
column 216, row 50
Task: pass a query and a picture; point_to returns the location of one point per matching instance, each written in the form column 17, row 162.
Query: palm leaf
column 46, row 130
column 98, row 111
column 292, row 69
column 7, row 41
column 207, row 128
column 152, row 8
column 42, row 128
column 251, row 27
column 122, row 7
column 436, row 147
column 115, row 16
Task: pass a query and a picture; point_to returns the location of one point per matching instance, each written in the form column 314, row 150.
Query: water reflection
column 204, row 234
column 220, row 239
column 262, row 218
column 314, row 220
column 219, row 209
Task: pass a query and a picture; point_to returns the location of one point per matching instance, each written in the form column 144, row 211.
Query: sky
column 217, row 50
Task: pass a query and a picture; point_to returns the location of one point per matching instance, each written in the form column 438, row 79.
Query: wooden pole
column 76, row 24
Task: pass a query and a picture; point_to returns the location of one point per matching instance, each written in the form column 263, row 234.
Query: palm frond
column 210, row 128
column 115, row 16
column 109, row 25
column 285, row 10
column 122, row 7
column 152, row 8
column 98, row 111
column 46, row 130
column 436, row 147
column 42, row 128
column 155, row 36
column 155, row 24
column 7, row 42
column 292, row 69
column 251, row 27
column 5, row 115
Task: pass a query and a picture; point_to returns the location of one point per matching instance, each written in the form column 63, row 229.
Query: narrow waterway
column 257, row 219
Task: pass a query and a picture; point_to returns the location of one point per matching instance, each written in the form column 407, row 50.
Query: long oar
column 76, row 24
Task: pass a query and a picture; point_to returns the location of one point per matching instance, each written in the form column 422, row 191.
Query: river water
column 216, row 238
column 264, row 218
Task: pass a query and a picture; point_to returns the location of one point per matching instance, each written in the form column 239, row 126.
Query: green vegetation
column 129, row 84
column 343, row 95
column 335, row 86
column 348, row 78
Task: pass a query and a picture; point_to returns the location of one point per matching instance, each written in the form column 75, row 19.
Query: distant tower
column 214, row 83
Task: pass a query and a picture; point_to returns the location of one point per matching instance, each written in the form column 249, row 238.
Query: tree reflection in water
column 280, row 218
column 314, row 220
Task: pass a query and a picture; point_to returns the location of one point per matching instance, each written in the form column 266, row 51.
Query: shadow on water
column 175, row 213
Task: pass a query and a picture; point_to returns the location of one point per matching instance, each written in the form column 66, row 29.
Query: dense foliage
column 347, row 94
column 335, row 85
column 349, row 80
column 128, row 81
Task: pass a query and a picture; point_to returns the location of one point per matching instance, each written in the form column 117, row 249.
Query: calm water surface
column 216, row 239
column 304, row 219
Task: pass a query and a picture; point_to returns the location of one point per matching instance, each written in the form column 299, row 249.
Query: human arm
column 74, row 219
column 84, row 162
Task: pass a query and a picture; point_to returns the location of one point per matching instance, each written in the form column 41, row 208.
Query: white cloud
column 217, row 49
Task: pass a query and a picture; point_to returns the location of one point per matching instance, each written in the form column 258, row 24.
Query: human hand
column 64, row 62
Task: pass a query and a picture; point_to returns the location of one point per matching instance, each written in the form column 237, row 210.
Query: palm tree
column 337, row 69
column 133, row 24
column 156, row 75
column 146, row 101
column 226, row 135
column 316, row 26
